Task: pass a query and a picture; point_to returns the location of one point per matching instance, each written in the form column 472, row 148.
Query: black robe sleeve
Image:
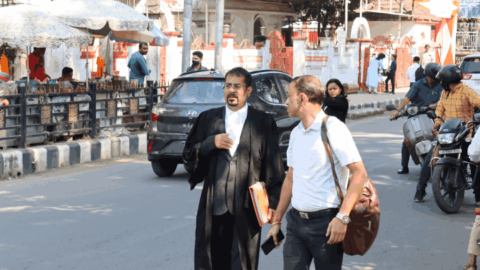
column 273, row 172
column 197, row 150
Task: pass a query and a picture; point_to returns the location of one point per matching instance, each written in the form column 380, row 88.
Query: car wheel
column 164, row 168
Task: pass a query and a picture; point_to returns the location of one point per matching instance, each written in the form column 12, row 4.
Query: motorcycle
column 417, row 131
column 452, row 174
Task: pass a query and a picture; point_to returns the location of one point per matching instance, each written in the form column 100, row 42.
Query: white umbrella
column 26, row 25
column 95, row 14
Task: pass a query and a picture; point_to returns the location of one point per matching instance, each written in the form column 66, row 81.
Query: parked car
column 192, row 93
column 471, row 71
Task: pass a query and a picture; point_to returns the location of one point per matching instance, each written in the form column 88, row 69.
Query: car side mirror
column 476, row 117
column 431, row 115
column 391, row 107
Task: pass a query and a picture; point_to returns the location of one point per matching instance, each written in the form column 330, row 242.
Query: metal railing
column 467, row 37
column 40, row 114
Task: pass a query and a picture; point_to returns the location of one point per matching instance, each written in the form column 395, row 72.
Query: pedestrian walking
column 391, row 74
column 412, row 70
column 373, row 73
column 316, row 227
column 425, row 92
column 138, row 64
column 336, row 102
column 230, row 148
column 427, row 56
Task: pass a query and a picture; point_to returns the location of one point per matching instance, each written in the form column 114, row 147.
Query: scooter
column 417, row 131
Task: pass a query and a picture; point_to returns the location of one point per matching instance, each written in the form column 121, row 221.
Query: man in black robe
column 231, row 148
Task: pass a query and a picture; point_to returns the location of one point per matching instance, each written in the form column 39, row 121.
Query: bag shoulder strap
column 326, row 143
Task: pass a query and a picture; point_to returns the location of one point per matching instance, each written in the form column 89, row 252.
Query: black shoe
column 403, row 171
column 419, row 195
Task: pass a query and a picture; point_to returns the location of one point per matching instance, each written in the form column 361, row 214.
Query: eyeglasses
column 235, row 86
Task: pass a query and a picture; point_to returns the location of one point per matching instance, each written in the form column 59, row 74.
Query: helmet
column 449, row 74
column 431, row 70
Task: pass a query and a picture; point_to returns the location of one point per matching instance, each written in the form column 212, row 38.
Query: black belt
column 316, row 214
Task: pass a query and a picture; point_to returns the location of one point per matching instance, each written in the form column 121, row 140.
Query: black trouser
column 392, row 79
column 224, row 245
column 405, row 155
column 306, row 240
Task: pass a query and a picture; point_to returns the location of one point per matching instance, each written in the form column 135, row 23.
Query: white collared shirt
column 411, row 72
column 234, row 122
column 313, row 183
column 474, row 148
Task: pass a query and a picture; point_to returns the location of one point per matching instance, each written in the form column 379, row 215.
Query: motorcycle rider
column 424, row 92
column 457, row 101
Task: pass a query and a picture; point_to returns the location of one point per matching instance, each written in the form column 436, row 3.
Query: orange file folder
column 259, row 196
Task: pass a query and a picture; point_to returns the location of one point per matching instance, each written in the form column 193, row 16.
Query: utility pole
column 346, row 17
column 187, row 34
column 220, row 8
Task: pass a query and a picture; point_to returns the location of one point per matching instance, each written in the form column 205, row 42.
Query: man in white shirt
column 316, row 227
column 474, row 149
column 412, row 69
column 428, row 56
column 230, row 148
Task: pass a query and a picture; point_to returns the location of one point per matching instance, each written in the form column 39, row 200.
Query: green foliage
column 325, row 12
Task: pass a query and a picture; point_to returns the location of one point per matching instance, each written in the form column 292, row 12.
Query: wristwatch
column 344, row 218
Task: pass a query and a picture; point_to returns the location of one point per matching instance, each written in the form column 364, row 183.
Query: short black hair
column 416, row 59
column 239, row 71
column 381, row 56
column 66, row 71
column 426, row 45
column 140, row 45
column 394, row 55
column 199, row 54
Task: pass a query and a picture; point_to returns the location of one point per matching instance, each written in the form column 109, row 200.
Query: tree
column 324, row 12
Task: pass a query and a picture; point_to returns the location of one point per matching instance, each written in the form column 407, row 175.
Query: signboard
column 414, row 52
column 469, row 9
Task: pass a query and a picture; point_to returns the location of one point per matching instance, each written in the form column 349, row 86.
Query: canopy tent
column 95, row 14
column 154, row 38
column 26, row 25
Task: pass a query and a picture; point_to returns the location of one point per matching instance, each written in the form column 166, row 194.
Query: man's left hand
column 271, row 214
column 336, row 230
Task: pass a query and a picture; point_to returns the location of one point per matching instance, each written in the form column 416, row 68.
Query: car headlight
column 446, row 138
column 412, row 110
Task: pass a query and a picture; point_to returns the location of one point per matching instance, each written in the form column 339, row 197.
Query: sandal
column 469, row 267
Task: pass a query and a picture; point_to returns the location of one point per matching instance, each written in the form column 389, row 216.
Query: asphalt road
column 120, row 215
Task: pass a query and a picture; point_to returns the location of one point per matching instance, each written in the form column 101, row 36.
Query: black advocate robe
column 258, row 159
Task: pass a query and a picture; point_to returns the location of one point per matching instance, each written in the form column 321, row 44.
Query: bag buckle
column 303, row 215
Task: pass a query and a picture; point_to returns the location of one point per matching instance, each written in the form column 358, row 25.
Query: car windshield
column 471, row 65
column 196, row 92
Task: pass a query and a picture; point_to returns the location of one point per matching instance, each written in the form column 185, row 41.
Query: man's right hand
column 394, row 115
column 436, row 126
column 222, row 141
column 273, row 232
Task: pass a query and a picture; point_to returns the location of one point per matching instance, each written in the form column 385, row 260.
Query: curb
column 376, row 108
column 375, row 104
column 18, row 163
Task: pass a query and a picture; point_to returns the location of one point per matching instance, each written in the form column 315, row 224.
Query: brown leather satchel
column 365, row 215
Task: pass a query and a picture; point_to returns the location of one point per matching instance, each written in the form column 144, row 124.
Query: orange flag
column 4, row 65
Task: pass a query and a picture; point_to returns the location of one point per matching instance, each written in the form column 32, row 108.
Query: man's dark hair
column 394, row 56
column 416, row 59
column 66, row 71
column 141, row 45
column 427, row 46
column 380, row 56
column 239, row 71
column 311, row 87
column 199, row 54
